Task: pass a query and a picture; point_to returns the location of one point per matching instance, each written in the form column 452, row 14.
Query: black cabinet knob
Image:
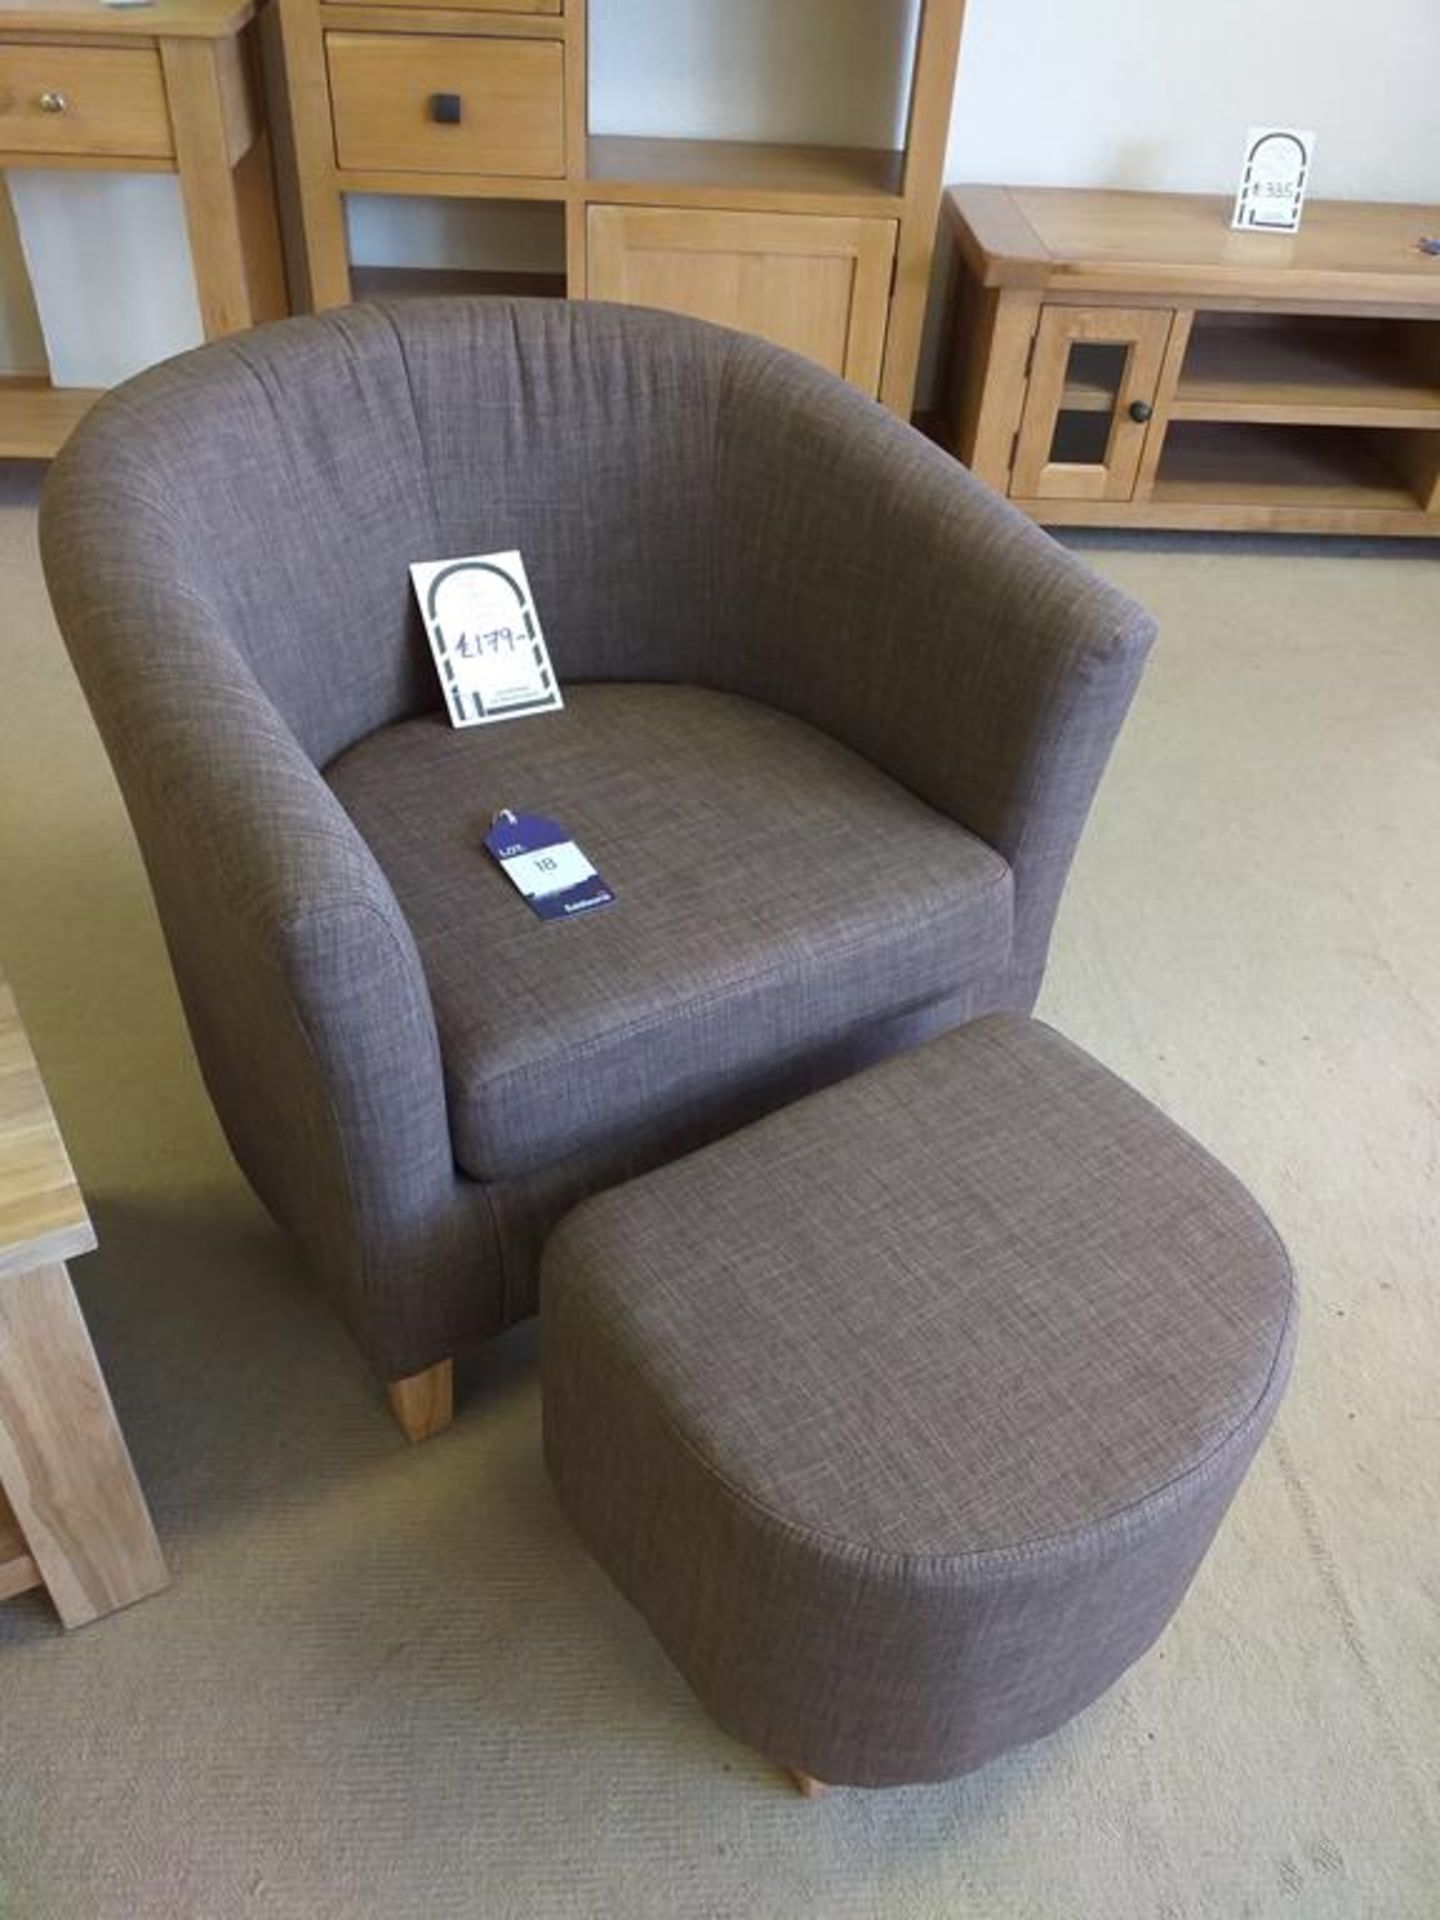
column 445, row 109
column 1140, row 411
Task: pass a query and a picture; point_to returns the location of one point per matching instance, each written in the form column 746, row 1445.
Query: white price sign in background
column 1273, row 179
column 485, row 635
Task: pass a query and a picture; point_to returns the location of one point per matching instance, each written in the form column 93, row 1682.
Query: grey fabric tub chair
column 834, row 719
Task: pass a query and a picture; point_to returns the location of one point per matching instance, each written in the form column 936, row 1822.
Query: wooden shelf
column 1348, row 375
column 1087, row 396
column 387, row 283
column 37, row 419
column 1095, row 371
column 1239, row 465
column 724, row 173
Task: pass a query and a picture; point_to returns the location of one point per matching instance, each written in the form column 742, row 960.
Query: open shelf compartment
column 1283, row 369
column 1228, row 464
column 434, row 247
column 617, row 162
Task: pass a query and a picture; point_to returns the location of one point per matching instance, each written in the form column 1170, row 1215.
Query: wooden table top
column 168, row 19
column 1073, row 241
column 42, row 1213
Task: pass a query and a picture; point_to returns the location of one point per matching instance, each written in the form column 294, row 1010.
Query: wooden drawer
column 102, row 100
column 511, row 96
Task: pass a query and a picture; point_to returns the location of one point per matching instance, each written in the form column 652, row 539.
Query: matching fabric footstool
column 906, row 1416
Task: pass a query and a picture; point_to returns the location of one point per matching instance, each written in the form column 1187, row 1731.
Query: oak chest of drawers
column 824, row 249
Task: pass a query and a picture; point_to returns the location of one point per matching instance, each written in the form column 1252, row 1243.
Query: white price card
column 485, row 634
column 1273, row 179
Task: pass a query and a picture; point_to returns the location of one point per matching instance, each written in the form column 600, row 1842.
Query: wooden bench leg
column 424, row 1403
column 64, row 1465
column 807, row 1784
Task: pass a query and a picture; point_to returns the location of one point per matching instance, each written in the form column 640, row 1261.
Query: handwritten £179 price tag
column 485, row 635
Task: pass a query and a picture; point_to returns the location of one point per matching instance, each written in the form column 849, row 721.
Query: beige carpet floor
column 388, row 1683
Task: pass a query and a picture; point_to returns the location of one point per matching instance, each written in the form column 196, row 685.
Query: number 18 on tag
column 542, row 860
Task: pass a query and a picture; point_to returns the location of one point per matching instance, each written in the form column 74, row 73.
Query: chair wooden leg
column 424, row 1403
column 807, row 1784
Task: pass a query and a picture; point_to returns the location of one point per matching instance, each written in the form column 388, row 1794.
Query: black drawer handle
column 445, row 109
column 1140, row 411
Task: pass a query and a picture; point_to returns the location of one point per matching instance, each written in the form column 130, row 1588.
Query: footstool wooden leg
column 424, row 1403
column 807, row 1784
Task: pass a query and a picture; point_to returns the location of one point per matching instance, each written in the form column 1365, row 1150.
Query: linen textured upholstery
column 780, row 884
column 226, row 541
column 906, row 1415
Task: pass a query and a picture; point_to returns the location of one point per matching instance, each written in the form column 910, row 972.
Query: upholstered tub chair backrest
column 282, row 483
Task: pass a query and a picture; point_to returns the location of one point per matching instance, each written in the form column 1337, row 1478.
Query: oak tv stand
column 1126, row 359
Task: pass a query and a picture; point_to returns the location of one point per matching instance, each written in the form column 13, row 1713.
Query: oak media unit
column 1126, row 359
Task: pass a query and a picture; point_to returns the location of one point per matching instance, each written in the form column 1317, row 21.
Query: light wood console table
column 167, row 87
column 72, row 1517
column 1126, row 359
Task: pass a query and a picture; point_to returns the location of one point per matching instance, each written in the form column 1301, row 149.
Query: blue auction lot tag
column 545, row 864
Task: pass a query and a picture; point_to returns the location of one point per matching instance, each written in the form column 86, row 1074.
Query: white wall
column 1126, row 93
column 389, row 230
column 110, row 267
column 1159, row 93
column 22, row 348
column 829, row 71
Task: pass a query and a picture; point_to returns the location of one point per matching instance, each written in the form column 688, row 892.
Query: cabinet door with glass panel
column 1094, row 372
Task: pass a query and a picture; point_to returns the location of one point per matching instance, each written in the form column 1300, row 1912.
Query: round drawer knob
column 52, row 102
column 1140, row 411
